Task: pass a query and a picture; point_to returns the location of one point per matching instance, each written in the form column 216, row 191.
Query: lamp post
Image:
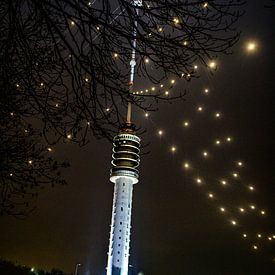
column 76, row 268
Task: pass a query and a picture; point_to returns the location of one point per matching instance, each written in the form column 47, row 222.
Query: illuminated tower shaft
column 124, row 176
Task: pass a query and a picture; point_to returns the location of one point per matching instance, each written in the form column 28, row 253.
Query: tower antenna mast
column 137, row 3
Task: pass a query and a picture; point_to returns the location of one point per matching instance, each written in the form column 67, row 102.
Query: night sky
column 176, row 228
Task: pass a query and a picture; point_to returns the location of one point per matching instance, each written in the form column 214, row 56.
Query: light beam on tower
column 124, row 175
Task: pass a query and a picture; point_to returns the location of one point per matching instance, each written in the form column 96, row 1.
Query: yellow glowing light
column 251, row 188
column 160, row 29
column 223, row 182
column 146, row 60
column 146, row 91
column 222, row 209
column 141, row 92
column 88, row 123
column 205, row 154
column 161, row 85
column 32, row 269
column 87, row 79
column 56, row 105
column 17, row 85
column 166, row 93
column 107, row 109
column 11, row 174
column 146, row 114
column 245, row 235
column 115, row 55
column 210, row 195
column 218, row 142
column 186, row 165
column 69, row 136
column 153, row 88
column 186, row 123
column 72, row 23
column 173, row 81
column 212, row 64
column 255, row 247
column 205, row 5
column 259, row 235
column 228, row 139
column 195, row 67
column 198, row 180
column 240, row 163
column 160, row 132
column 176, row 20
column 242, row 209
column 235, row 175
column 251, row 46
column 206, row 91
column 11, row 114
column 41, row 84
column 252, row 207
column 233, row 222
column 97, row 28
column 173, row 149
column 273, row 236
column 217, row 115
column 185, row 44
column 200, row 108
column 49, row 149
column 263, row 212
column 269, row 238
column 30, row 161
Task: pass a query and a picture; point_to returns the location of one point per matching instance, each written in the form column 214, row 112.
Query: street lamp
column 76, row 268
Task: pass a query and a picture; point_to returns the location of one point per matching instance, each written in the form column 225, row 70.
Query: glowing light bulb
column 255, row 247
column 233, row 222
column 229, row 139
column 186, row 123
column 240, row 163
column 262, row 212
column 206, row 91
column 87, row 79
column 205, row 5
column 235, row 175
column 173, row 149
column 49, row 149
column 217, row 115
column 251, row 188
column 185, row 43
column 205, row 154
column 198, row 180
column 251, row 46
column 17, row 85
column 166, row 93
column 195, row 67
column 176, row 20
column 69, row 136
column 160, row 132
column 115, row 55
column 153, row 88
column 11, row 113
column 210, row 195
column 259, row 235
column 146, row 60
column 218, row 142
column 252, row 207
column 222, row 209
column 200, row 108
column 146, row 91
column 173, row 81
column 242, row 209
column 56, row 105
column 72, row 23
column 32, row 269
column 223, row 182
column 186, row 165
column 270, row 238
column 160, row 29
column 161, row 85
column 212, row 65
column 41, row 84
column 146, row 114
column 97, row 28
column 30, row 161
column 11, row 174
column 245, row 235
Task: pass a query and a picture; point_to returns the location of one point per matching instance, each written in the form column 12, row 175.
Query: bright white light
column 186, row 165
column 160, row 29
column 195, row 67
column 206, row 91
column 115, row 55
column 210, row 195
column 255, row 247
column 147, row 60
column 11, row 174
column 173, row 81
column 160, row 132
column 205, row 154
column 252, row 207
column 186, row 123
column 153, row 88
column 49, row 149
column 166, row 93
column 173, row 149
column 176, row 20
column 146, row 114
column 212, row 65
column 69, row 136
column 244, row 235
column 242, row 209
column 228, row 139
column 263, row 212
column 235, row 175
column 240, row 163
column 222, row 209
column 251, row 188
column 200, row 108
column 217, row 115
column 223, row 182
column 259, row 235
column 30, row 161
column 233, row 222
column 218, row 142
column 251, row 46
column 198, row 180
column 72, row 23
column 269, row 238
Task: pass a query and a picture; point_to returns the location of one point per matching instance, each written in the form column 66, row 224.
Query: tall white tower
column 124, row 175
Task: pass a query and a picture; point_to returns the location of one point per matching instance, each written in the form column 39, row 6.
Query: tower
column 124, row 175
